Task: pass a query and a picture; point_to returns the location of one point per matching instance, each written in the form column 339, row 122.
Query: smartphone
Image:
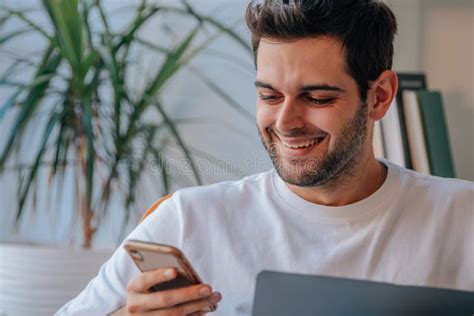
column 151, row 256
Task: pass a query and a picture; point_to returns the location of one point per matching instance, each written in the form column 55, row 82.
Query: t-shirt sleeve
column 106, row 292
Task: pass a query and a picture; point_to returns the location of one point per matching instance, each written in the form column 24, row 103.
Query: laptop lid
column 296, row 294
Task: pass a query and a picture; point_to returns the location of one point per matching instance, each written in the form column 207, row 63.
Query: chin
column 308, row 173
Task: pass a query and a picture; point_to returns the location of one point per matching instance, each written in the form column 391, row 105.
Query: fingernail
column 169, row 273
column 216, row 297
column 205, row 291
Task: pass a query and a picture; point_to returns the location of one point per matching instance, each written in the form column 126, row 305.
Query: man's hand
column 192, row 300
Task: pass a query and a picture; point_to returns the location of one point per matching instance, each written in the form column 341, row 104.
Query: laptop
column 279, row 294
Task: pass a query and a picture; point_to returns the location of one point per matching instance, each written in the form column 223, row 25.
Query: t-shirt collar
column 377, row 201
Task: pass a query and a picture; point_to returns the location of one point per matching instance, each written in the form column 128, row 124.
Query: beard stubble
column 337, row 163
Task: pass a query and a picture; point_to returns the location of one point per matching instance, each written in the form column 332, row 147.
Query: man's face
column 309, row 114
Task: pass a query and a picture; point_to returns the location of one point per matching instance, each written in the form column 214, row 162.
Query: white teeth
column 302, row 145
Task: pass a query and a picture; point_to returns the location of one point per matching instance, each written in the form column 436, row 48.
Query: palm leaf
column 87, row 122
column 141, row 17
column 60, row 144
column 157, row 153
column 40, row 79
column 203, row 18
column 51, row 60
column 172, row 127
column 225, row 96
column 13, row 34
column 153, row 46
column 116, row 75
column 10, row 102
column 32, row 24
column 68, row 27
column 4, row 18
column 33, row 172
column 11, row 69
column 170, row 66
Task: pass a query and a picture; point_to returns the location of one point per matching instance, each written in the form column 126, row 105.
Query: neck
column 367, row 176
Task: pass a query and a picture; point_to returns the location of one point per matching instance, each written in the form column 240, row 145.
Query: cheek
column 266, row 116
column 329, row 120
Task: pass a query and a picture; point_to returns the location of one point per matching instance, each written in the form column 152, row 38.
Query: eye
column 268, row 97
column 325, row 101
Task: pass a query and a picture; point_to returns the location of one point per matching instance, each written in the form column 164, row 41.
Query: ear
column 381, row 93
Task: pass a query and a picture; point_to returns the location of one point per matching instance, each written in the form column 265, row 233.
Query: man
column 328, row 207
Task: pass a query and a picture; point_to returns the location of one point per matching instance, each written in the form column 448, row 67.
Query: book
column 436, row 133
column 416, row 137
column 407, row 81
column 411, row 81
column 392, row 135
column 377, row 143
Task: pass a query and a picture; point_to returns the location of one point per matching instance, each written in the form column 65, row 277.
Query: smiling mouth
column 306, row 144
column 301, row 144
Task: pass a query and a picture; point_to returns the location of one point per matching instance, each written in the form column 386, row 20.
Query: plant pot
column 38, row 280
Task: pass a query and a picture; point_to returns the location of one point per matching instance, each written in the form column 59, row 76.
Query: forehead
column 299, row 62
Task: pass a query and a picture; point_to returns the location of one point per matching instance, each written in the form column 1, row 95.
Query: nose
column 290, row 116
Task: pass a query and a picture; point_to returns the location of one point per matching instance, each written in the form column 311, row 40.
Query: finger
column 200, row 313
column 202, row 305
column 147, row 279
column 169, row 298
column 183, row 295
column 160, row 313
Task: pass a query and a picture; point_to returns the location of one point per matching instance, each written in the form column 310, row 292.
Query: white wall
column 448, row 60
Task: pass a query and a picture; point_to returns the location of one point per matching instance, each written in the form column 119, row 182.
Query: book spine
column 407, row 81
column 379, row 150
column 416, row 137
column 403, row 133
column 393, row 136
column 436, row 133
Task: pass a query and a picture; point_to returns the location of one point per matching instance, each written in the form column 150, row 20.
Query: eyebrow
column 306, row 88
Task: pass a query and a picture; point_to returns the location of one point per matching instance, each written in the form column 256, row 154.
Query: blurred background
column 105, row 106
column 209, row 100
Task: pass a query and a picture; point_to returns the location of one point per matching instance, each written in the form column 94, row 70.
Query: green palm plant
column 84, row 128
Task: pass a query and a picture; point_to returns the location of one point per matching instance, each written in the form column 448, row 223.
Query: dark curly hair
column 365, row 27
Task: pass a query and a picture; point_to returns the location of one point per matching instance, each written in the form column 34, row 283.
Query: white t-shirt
column 414, row 230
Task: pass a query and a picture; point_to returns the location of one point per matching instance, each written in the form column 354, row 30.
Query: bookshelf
column 414, row 132
column 436, row 37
